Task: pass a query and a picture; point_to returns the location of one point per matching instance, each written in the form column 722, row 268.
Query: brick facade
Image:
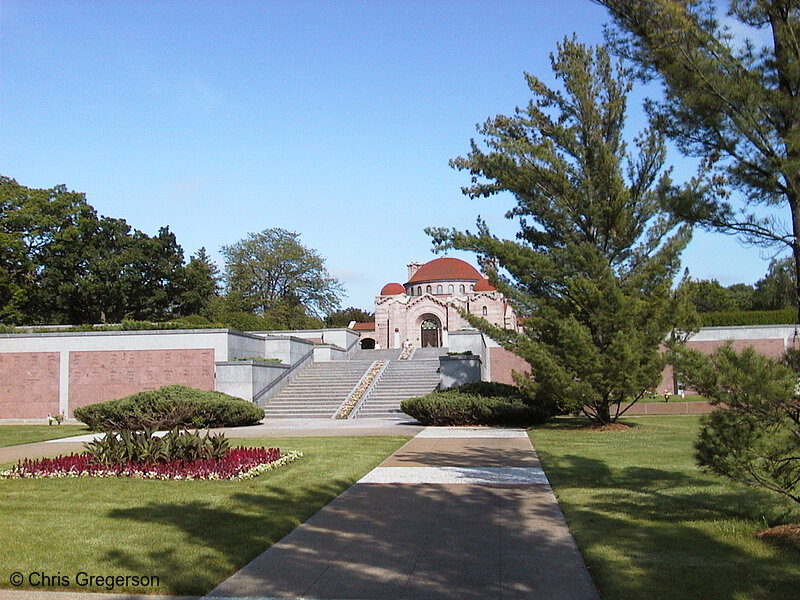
column 96, row 376
column 29, row 384
column 435, row 292
column 504, row 362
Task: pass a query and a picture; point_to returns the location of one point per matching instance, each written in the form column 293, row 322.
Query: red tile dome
column 392, row 289
column 484, row 286
column 445, row 269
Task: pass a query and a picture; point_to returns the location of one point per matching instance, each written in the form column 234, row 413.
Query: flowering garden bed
column 236, row 463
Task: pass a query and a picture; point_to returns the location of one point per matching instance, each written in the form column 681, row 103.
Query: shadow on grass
column 578, row 423
column 671, row 533
column 220, row 536
column 374, row 541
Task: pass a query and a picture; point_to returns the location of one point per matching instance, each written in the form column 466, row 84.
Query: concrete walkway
column 456, row 513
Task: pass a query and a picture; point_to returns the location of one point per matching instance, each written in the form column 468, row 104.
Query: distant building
column 422, row 311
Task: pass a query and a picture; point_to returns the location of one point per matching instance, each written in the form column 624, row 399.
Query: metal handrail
column 296, row 367
column 368, row 391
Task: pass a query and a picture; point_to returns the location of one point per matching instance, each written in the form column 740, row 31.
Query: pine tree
column 730, row 103
column 592, row 270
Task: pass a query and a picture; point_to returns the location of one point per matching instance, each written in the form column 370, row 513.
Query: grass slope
column 190, row 534
column 650, row 524
column 13, row 435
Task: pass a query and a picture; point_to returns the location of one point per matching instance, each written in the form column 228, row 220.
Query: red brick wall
column 102, row 375
column 28, row 384
column 504, row 362
column 670, row 408
column 769, row 347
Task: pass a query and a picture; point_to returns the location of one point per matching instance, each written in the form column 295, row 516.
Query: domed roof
column 484, row 286
column 446, row 269
column 392, row 289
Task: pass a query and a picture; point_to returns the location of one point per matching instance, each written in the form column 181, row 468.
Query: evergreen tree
column 592, row 270
column 200, row 285
column 734, row 105
column 753, row 436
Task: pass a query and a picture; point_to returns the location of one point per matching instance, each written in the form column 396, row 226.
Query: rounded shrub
column 170, row 407
column 478, row 403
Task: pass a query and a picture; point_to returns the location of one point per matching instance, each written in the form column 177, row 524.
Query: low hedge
column 479, row 403
column 783, row 316
column 170, row 407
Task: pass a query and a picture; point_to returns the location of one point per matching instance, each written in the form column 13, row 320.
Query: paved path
column 454, row 514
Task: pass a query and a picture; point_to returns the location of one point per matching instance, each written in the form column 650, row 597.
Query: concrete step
column 317, row 392
column 401, row 380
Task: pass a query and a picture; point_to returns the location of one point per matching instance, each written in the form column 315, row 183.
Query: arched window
column 461, row 288
column 428, row 289
column 419, row 290
column 471, row 287
column 451, row 289
column 485, row 311
column 439, row 289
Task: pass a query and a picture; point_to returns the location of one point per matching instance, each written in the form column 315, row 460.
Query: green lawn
column 190, row 534
column 674, row 398
column 650, row 524
column 12, row 435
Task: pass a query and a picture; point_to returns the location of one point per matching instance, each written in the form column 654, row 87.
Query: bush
column 479, row 403
column 753, row 436
column 197, row 322
column 748, row 317
column 169, row 407
column 144, row 447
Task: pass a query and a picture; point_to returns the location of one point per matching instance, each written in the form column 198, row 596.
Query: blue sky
column 332, row 119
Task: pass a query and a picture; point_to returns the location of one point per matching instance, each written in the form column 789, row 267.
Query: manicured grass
column 650, row 524
column 675, row 398
column 12, row 435
column 190, row 534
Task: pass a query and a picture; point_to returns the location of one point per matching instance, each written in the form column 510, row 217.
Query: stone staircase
column 385, row 354
column 402, row 379
column 428, row 353
column 318, row 391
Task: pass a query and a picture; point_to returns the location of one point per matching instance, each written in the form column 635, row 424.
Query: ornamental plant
column 238, row 463
column 145, row 447
column 176, row 455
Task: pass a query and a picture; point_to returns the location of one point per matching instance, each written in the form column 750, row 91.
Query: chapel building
column 422, row 311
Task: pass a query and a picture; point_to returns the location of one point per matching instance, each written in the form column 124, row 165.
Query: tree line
column 774, row 291
column 62, row 263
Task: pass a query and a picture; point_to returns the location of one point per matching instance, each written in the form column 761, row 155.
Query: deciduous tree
column 343, row 317
column 272, row 272
column 62, row 264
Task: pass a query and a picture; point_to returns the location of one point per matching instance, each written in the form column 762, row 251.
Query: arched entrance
column 430, row 332
column 367, row 344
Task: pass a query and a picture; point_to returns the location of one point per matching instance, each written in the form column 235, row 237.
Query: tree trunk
column 786, row 57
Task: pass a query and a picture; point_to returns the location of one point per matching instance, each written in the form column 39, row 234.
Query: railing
column 273, row 387
column 354, row 413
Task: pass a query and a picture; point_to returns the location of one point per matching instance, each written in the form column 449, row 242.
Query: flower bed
column 238, row 463
column 348, row 405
